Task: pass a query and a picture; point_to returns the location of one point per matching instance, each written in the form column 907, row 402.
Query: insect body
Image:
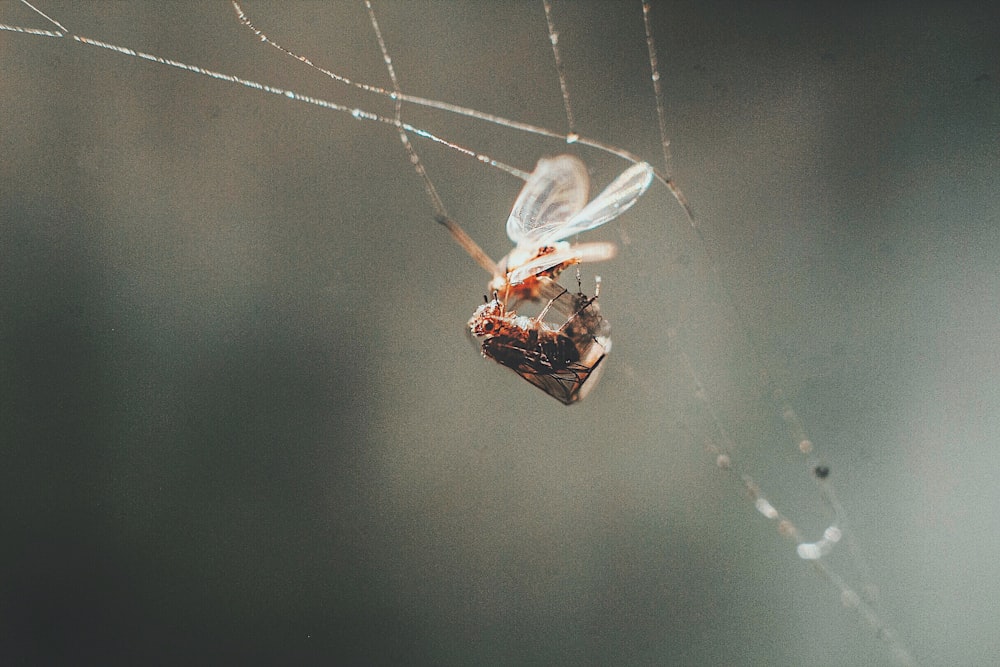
column 522, row 343
column 551, row 207
column 557, row 357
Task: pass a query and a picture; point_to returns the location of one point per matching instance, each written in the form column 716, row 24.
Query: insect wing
column 591, row 333
column 575, row 254
column 569, row 385
column 555, row 192
column 612, row 202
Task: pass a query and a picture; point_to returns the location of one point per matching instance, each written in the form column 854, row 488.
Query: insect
column 562, row 359
column 552, row 206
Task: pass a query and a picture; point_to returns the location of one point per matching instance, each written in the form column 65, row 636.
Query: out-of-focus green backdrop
column 240, row 421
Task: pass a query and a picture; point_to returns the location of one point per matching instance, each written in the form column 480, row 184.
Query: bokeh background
column 240, row 420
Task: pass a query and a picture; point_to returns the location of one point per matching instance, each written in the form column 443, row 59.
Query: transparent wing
column 578, row 253
column 553, row 194
column 612, row 202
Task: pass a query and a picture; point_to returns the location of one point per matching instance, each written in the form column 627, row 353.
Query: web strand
column 561, row 71
column 812, row 551
column 360, row 114
column 397, row 95
column 440, row 212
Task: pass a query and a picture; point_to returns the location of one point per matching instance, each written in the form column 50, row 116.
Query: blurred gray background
column 241, row 422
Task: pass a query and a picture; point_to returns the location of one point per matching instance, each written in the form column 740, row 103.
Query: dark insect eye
column 487, row 326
